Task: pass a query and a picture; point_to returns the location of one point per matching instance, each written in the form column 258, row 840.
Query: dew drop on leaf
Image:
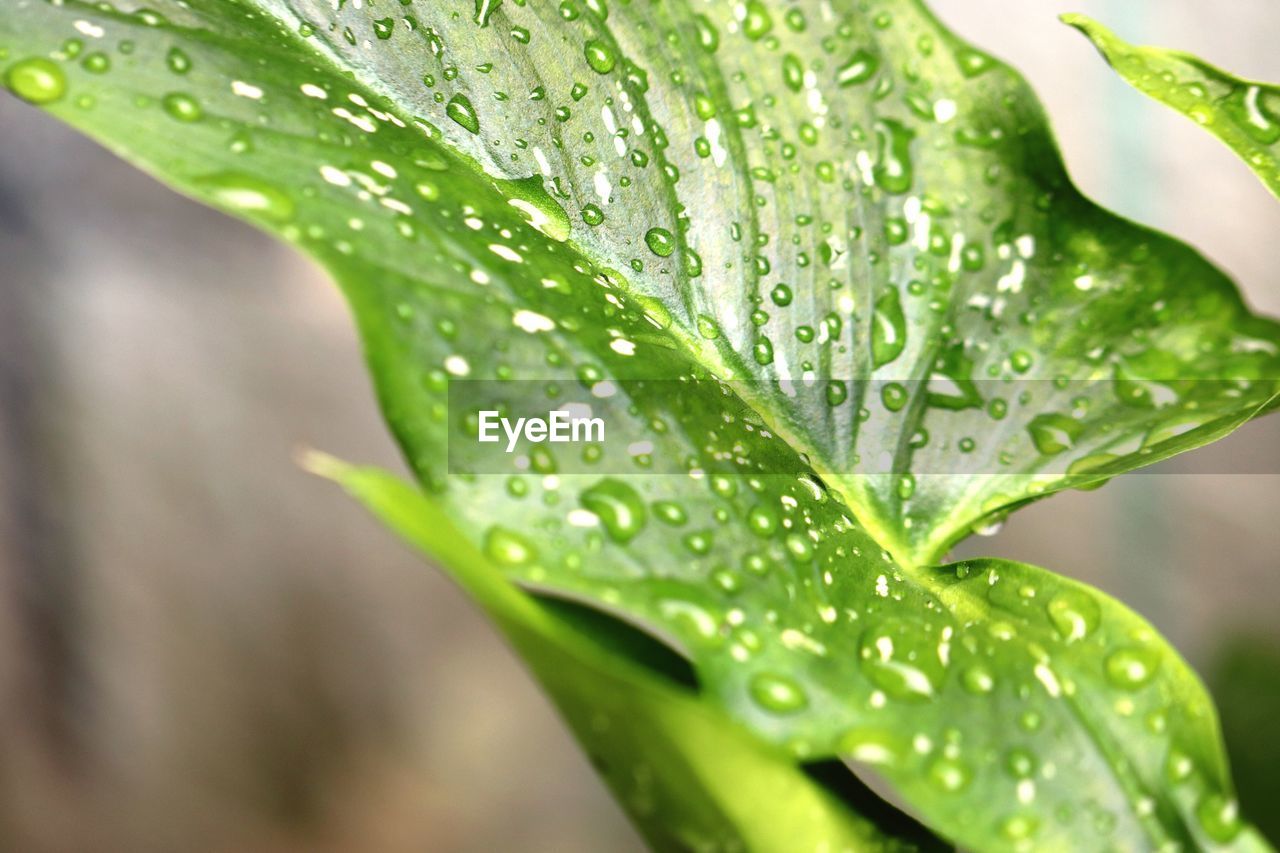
column 707, row 327
column 485, row 8
column 460, row 110
column 888, row 328
column 837, row 392
column 36, row 80
column 858, row 68
column 1074, row 614
column 762, row 351
column 1131, row 667
column 949, row 774
column 792, row 72
column 872, row 746
column 893, row 170
column 177, row 60
column 708, row 36
column 1019, row 827
column 182, row 107
column 699, row 542
column 619, row 508
column 1054, row 433
column 1020, row 763
column 96, row 63
column 660, row 242
column 600, row 57
column 777, row 693
column 508, row 548
column 894, row 396
column 539, row 209
column 977, row 679
column 898, row 659
column 669, row 512
column 758, row 22
column 1219, row 816
column 248, row 195
column 1254, row 110
column 762, row 520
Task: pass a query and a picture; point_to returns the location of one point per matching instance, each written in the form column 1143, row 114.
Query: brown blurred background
column 204, row 649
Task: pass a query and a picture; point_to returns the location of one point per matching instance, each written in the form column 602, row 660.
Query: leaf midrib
column 690, row 344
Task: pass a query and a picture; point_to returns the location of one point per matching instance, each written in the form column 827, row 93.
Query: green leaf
column 825, row 265
column 689, row 777
column 1245, row 114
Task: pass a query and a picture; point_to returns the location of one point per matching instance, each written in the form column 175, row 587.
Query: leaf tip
column 321, row 464
column 1103, row 39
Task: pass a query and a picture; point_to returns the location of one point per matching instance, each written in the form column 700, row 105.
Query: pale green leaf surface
column 903, row 188
column 1245, row 114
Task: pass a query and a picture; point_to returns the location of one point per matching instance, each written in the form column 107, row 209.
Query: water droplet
column 892, row 171
column 182, row 107
column 600, row 57
column 1054, row 433
column 800, row 548
column 248, row 195
column 660, row 242
column 1074, row 614
column 1019, row 827
column 762, row 352
column 894, row 396
column 1219, row 816
column 1020, row 762
column 1130, row 668
column 1256, row 111
column 592, row 215
column 36, row 81
column 97, row 63
column 758, row 22
column 670, row 513
column 762, row 520
column 708, row 36
column 484, row 9
column 778, row 693
column 898, row 659
column 178, row 62
column 859, row 68
column 460, row 110
column 978, row 680
column 872, row 746
column 792, row 72
column 508, row 548
column 1031, row 720
column 619, row 508
column 906, row 486
column 539, row 209
column 948, row 774
column 698, row 542
column 888, row 328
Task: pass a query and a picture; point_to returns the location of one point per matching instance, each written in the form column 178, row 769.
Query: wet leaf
column 689, row 777
column 822, row 274
column 1245, row 114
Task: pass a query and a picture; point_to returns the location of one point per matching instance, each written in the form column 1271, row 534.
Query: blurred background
column 200, row 641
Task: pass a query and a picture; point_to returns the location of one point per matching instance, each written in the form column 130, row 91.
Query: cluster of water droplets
column 771, row 195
